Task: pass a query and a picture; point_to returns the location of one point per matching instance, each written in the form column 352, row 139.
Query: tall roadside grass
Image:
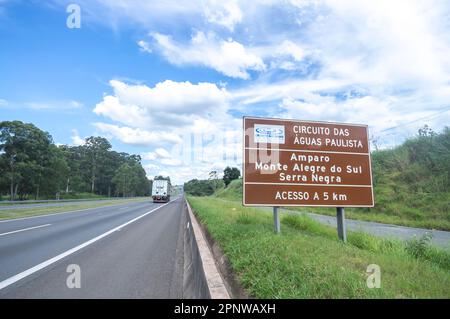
column 308, row 261
column 419, row 248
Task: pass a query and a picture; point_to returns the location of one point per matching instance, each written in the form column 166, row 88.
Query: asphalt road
column 440, row 238
column 132, row 250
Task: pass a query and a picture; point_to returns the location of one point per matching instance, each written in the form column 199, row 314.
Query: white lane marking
column 25, row 229
column 71, row 211
column 28, row 272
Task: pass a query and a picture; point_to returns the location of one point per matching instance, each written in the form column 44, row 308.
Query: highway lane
column 133, row 261
column 20, row 251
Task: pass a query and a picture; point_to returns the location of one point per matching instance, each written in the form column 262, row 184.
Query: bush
column 197, row 187
column 418, row 247
column 421, row 249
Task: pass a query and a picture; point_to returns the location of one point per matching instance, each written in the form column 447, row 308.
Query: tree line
column 209, row 186
column 33, row 167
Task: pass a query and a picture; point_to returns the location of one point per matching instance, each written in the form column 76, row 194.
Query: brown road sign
column 302, row 163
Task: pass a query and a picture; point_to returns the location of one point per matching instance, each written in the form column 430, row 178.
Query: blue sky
column 170, row 80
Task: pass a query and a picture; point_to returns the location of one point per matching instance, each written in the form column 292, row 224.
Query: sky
column 170, row 80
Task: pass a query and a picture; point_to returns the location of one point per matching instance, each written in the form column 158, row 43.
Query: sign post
column 341, row 227
column 276, row 220
column 305, row 163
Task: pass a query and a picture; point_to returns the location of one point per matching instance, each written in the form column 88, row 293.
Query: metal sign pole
column 341, row 227
column 276, row 220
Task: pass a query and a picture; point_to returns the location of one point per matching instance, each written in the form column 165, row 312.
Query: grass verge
column 28, row 212
column 87, row 196
column 308, row 261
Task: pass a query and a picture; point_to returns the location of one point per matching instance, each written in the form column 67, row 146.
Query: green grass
column 308, row 261
column 81, row 196
column 62, row 196
column 232, row 192
column 392, row 206
column 28, row 212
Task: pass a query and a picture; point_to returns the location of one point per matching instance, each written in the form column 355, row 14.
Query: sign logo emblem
column 269, row 134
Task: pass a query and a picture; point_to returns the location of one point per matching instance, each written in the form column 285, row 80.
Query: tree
column 75, row 181
column 54, row 173
column 214, row 178
column 25, row 152
column 197, row 187
column 122, row 179
column 96, row 150
column 31, row 164
column 230, row 174
column 131, row 180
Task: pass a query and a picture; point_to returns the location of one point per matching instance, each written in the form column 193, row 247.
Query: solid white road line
column 7, row 282
column 25, row 229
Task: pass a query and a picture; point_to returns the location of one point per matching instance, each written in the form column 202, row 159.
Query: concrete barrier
column 201, row 278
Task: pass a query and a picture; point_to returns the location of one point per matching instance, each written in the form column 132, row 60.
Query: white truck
column 161, row 191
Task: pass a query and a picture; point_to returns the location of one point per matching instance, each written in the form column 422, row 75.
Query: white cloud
column 294, row 89
column 136, row 136
column 159, row 153
column 137, row 13
column 383, row 63
column 168, row 104
column 184, row 124
column 54, row 105
column 227, row 57
column 76, row 139
column 145, row 47
column 382, row 42
column 287, row 55
column 364, row 110
column 149, row 14
column 171, row 161
column 3, row 102
column 200, row 154
column 224, row 13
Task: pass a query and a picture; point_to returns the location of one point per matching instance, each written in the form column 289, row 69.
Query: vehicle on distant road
column 161, row 191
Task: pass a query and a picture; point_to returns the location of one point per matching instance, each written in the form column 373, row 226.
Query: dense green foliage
column 130, row 180
column 32, row 166
column 197, row 187
column 308, row 261
column 230, row 174
column 212, row 185
column 412, row 184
